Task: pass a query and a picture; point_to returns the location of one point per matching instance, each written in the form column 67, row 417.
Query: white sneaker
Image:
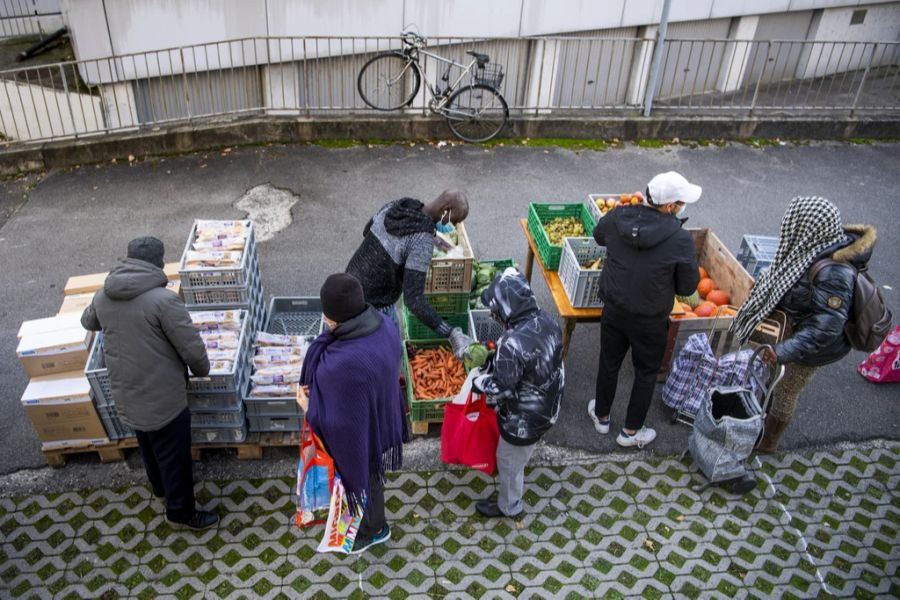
column 640, row 438
column 602, row 427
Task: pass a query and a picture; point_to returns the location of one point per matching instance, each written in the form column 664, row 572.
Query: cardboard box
column 60, row 408
column 54, row 352
column 81, row 284
column 49, row 325
column 76, row 303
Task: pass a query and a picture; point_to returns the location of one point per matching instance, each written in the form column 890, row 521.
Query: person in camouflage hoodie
column 526, row 384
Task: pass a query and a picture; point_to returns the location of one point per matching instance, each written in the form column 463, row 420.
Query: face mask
column 681, row 210
column 444, row 227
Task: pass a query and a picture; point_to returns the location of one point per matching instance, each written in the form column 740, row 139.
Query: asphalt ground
column 79, row 221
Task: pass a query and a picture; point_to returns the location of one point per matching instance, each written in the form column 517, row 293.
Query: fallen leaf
column 95, row 187
column 202, row 166
column 680, row 518
column 113, row 161
column 743, row 574
column 648, row 543
column 520, row 524
column 511, row 589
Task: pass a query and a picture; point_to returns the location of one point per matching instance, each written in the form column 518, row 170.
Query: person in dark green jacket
column 148, row 343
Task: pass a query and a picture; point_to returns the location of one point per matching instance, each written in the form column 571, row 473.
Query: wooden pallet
column 250, row 449
column 421, row 427
column 112, row 452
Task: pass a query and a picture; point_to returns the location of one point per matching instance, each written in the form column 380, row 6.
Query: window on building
column 858, row 17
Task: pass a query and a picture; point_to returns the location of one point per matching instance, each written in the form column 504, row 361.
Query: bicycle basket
column 489, row 74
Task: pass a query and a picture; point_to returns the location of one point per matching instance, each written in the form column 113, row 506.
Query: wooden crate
column 731, row 277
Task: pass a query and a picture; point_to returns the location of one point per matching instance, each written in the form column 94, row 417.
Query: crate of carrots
column 434, row 377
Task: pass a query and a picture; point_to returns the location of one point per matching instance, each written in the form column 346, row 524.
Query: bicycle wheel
column 476, row 113
column 388, row 81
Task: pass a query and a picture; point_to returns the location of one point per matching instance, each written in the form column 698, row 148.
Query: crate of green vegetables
column 483, row 273
column 550, row 224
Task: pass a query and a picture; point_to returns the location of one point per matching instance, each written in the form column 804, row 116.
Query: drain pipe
column 43, row 44
column 657, row 57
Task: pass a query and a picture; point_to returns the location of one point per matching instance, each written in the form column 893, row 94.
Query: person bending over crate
column 351, row 397
column 650, row 259
column 148, row 341
column 395, row 254
column 526, row 384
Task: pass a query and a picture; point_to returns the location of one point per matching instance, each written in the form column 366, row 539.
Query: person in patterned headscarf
column 818, row 299
column 526, row 384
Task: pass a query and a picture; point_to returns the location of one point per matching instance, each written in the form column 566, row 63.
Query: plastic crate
column 449, row 303
column 219, row 276
column 294, row 316
column 499, row 263
column 449, row 275
column 208, row 298
column 592, row 205
column 414, row 329
column 96, row 373
column 422, row 410
column 275, row 423
column 115, row 428
column 231, row 382
column 217, row 419
column 582, row 285
column 219, row 435
column 272, row 407
column 215, row 402
column 483, row 327
column 538, row 214
column 757, row 253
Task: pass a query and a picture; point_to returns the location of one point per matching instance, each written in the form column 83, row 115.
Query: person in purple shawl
column 351, row 386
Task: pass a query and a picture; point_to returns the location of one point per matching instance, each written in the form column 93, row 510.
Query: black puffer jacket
column 650, row 258
column 528, row 378
column 819, row 310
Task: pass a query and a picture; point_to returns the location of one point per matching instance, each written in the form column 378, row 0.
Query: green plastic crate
column 448, row 303
column 414, row 329
column 538, row 214
column 423, row 410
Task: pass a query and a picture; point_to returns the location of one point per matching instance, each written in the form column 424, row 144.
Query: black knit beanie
column 148, row 249
column 342, row 297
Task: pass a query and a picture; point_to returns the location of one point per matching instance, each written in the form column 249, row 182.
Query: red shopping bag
column 883, row 365
column 315, row 478
column 470, row 434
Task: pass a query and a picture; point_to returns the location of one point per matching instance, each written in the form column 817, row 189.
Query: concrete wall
column 31, row 112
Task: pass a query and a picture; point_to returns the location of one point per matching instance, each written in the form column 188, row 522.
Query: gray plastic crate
column 217, row 419
column 483, row 327
column 270, row 423
column 115, row 428
column 757, row 253
column 271, row 407
column 294, row 316
column 96, row 373
column 215, row 402
column 224, row 384
column 582, row 285
column 234, row 277
column 592, row 205
column 219, row 435
column 210, row 297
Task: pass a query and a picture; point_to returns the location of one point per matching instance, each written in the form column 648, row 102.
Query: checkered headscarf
column 810, row 225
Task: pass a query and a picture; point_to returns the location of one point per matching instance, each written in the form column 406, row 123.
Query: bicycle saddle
column 481, row 58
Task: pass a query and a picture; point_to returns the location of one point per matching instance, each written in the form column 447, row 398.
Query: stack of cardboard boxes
column 53, row 352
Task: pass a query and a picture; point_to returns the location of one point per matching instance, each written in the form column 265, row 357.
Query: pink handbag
column 883, row 365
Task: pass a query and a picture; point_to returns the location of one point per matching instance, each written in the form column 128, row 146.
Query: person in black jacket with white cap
column 650, row 259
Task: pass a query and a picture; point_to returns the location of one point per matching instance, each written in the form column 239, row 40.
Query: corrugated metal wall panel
column 781, row 60
column 197, row 94
column 692, row 66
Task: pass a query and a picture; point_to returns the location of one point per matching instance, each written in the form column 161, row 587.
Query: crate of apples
column 606, row 203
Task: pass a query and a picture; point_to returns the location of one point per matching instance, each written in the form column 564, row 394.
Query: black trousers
column 647, row 340
column 167, row 459
column 373, row 520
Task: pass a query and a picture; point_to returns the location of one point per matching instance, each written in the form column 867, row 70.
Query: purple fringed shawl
column 355, row 405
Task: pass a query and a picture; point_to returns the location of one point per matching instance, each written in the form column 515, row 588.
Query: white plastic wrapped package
column 210, row 230
column 220, row 244
column 276, row 378
column 214, row 320
column 280, row 351
column 288, row 390
column 274, row 339
column 267, row 360
column 216, row 355
column 212, row 258
column 221, row 367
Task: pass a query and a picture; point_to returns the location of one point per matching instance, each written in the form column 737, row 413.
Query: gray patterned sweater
column 394, row 258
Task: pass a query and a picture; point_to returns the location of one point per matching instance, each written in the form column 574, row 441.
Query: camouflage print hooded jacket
column 528, row 377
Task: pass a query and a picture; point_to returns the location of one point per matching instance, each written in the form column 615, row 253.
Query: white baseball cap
column 670, row 187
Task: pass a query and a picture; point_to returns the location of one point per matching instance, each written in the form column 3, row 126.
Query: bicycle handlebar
column 413, row 39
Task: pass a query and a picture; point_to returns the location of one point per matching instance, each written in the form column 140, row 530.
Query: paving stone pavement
column 820, row 524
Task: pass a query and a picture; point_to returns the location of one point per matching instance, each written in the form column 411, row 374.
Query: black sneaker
column 489, row 509
column 361, row 545
column 201, row 519
column 740, row 485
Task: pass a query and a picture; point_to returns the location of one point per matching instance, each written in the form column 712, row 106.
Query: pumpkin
column 686, row 307
column 705, row 286
column 706, row 309
column 689, row 315
column 703, row 273
column 718, row 297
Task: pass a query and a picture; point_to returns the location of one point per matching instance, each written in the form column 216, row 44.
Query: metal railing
column 313, row 76
column 21, row 18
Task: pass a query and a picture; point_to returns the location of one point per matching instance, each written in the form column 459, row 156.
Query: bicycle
column 475, row 112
